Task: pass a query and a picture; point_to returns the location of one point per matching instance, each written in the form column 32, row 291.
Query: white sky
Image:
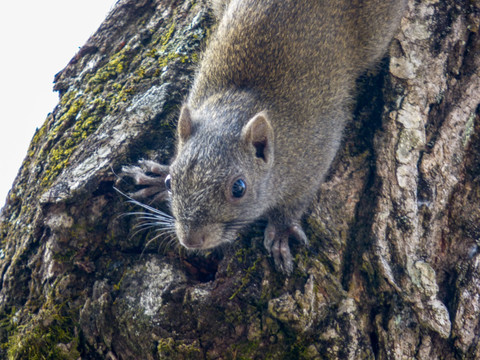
column 38, row 39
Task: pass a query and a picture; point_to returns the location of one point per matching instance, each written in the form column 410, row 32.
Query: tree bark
column 393, row 269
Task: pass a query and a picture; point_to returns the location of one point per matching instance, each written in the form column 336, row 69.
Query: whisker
column 167, row 241
column 144, row 226
column 141, row 229
column 153, row 216
column 164, row 224
column 145, row 206
column 144, row 220
column 152, row 240
column 155, row 223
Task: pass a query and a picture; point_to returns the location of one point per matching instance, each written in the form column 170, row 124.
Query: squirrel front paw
column 155, row 188
column 276, row 243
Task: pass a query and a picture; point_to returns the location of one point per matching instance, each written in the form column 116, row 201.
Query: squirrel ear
column 259, row 133
column 184, row 126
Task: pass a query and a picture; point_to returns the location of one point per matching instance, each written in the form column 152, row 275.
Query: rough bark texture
column 393, row 270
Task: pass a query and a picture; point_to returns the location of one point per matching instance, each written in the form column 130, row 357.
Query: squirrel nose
column 194, row 240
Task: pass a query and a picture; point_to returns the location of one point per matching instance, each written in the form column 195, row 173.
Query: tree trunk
column 393, row 266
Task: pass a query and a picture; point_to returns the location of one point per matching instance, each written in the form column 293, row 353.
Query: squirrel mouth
column 205, row 236
column 194, row 239
column 201, row 245
column 193, row 246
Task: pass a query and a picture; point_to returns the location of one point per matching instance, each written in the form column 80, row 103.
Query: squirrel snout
column 202, row 237
column 195, row 240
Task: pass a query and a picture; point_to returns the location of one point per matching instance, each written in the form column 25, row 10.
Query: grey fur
column 290, row 65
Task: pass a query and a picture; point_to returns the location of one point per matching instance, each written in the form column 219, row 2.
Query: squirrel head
column 218, row 189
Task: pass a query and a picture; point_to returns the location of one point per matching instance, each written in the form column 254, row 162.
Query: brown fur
column 269, row 104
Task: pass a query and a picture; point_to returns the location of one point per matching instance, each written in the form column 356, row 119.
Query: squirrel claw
column 276, row 244
column 298, row 233
column 154, row 167
column 155, row 185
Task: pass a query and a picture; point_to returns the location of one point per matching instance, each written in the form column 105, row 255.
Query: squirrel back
column 290, row 47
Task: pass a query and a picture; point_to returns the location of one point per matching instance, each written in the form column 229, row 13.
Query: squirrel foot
column 276, row 243
column 154, row 185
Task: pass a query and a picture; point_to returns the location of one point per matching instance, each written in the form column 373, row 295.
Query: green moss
column 66, row 257
column 140, row 72
column 246, row 350
column 117, row 86
column 195, row 57
column 118, row 285
column 166, row 346
column 86, row 116
column 153, row 53
column 108, row 87
column 469, row 129
column 115, row 67
column 57, row 160
column 39, row 134
column 169, row 349
column 167, row 36
column 65, row 120
column 246, row 279
column 302, row 349
column 37, row 137
column 67, row 98
column 165, row 60
column 49, row 336
column 371, row 275
column 8, row 326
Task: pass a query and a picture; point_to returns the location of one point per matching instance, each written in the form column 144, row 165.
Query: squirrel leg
column 276, row 242
column 154, row 183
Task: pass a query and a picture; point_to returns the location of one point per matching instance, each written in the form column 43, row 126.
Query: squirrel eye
column 239, row 188
column 168, row 182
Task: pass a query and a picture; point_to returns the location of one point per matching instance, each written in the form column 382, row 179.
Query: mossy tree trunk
column 393, row 270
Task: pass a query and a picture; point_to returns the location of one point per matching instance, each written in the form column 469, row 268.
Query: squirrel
column 264, row 117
